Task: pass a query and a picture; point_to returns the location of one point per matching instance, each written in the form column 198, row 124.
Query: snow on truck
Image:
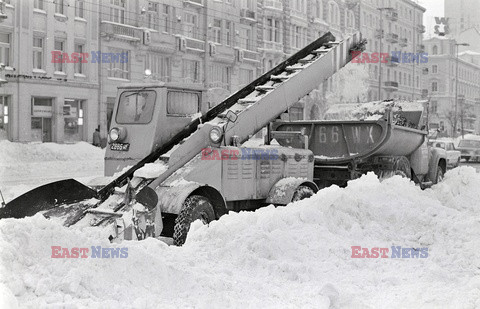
column 153, row 119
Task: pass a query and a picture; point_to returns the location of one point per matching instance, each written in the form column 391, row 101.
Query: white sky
column 434, row 8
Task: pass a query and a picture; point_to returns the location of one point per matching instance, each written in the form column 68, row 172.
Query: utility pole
column 380, row 62
column 455, row 119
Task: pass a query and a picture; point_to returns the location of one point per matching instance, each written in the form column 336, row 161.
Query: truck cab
column 146, row 116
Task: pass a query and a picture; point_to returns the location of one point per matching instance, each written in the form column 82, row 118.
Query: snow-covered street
column 294, row 256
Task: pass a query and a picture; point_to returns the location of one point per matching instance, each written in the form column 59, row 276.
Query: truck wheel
column 467, row 159
column 302, row 192
column 458, row 163
column 439, row 176
column 402, row 168
column 195, row 207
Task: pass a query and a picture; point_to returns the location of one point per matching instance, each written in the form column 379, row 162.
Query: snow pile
column 19, row 152
column 26, row 166
column 293, row 256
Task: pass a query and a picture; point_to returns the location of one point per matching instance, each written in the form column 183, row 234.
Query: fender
column 282, row 192
column 171, row 198
column 437, row 157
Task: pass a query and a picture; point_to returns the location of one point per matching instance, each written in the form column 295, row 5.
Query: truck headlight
column 216, row 134
column 114, row 134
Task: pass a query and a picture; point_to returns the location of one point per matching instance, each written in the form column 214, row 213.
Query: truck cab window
column 136, row 107
column 182, row 103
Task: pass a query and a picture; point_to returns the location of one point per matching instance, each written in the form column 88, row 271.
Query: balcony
column 392, row 38
column 248, row 55
column 186, row 43
column 273, row 4
column 421, row 28
column 392, row 15
column 195, row 3
column 275, row 47
column 420, row 48
column 298, row 14
column 111, row 30
column 248, row 15
column 391, row 86
column 403, row 42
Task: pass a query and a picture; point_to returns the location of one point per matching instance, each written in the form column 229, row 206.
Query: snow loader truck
column 209, row 171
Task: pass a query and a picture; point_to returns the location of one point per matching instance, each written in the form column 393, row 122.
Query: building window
column 228, row 33
column 434, row 86
column 4, row 113
column 217, row 31
column 166, row 19
column 80, row 49
column 159, row 67
column 153, row 16
column 39, row 4
column 117, row 11
column 190, row 26
column 59, row 6
column 59, row 48
column 38, row 53
column 434, row 68
column 119, row 67
column 73, row 115
column 334, row 14
column 318, row 9
column 221, row 76
column 5, row 49
column 191, row 71
column 434, row 50
column 273, row 30
column 245, row 77
column 79, row 8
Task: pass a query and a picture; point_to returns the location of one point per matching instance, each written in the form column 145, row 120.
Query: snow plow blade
column 46, row 197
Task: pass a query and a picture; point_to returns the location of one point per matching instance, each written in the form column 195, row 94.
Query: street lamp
column 456, row 89
column 380, row 62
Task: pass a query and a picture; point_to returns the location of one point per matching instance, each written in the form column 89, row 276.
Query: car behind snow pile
column 453, row 155
column 470, row 149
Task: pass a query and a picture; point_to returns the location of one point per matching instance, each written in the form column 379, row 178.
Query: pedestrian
column 96, row 137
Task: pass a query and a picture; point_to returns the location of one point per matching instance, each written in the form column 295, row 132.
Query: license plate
column 120, row 146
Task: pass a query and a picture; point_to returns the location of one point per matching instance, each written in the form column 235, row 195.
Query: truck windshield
column 467, row 143
column 136, row 107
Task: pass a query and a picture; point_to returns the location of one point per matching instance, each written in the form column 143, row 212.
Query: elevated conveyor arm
column 267, row 97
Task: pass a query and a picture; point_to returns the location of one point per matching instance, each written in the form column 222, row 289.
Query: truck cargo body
column 345, row 150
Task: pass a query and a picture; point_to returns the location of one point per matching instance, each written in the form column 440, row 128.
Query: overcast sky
column 434, row 8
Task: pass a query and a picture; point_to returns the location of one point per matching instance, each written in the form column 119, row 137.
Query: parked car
column 453, row 155
column 470, row 149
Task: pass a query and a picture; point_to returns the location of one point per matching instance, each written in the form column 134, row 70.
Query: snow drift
column 293, row 256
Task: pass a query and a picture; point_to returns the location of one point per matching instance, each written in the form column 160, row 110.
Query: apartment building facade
column 394, row 27
column 219, row 45
column 442, row 73
column 44, row 100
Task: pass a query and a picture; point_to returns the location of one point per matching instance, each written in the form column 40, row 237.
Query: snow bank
column 19, row 152
column 26, row 166
column 293, row 256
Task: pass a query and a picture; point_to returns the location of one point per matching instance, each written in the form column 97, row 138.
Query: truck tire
column 302, row 192
column 439, row 175
column 402, row 168
column 195, row 207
